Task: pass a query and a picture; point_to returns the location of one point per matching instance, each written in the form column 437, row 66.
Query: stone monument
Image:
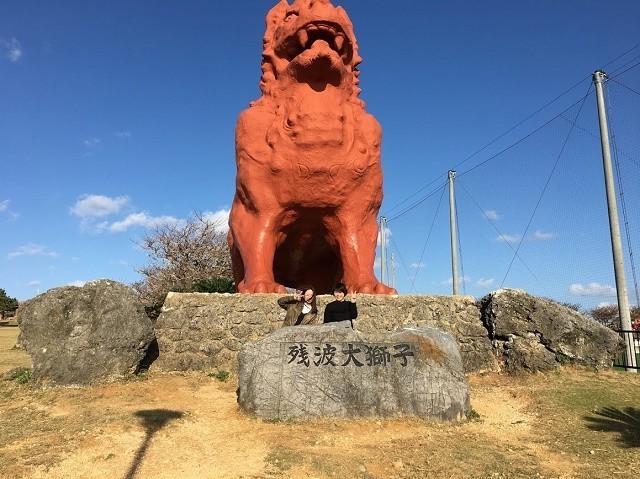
column 309, row 177
column 333, row 371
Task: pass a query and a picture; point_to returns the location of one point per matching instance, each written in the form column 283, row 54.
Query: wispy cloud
column 35, row 282
column 417, row 265
column 485, row 283
column 122, row 134
column 142, row 219
column 449, row 280
column 542, row 236
column 91, row 207
column 509, row 238
column 31, row 249
column 591, row 289
column 92, row 142
column 491, row 215
column 4, row 208
column 98, row 206
column 13, row 49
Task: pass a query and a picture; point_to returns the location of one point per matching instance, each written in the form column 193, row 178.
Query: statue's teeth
column 303, row 37
column 338, row 41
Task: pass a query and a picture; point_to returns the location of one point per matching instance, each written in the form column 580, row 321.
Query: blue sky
column 120, row 115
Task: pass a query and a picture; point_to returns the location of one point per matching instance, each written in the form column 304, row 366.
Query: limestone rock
column 85, row 335
column 334, row 371
column 536, row 334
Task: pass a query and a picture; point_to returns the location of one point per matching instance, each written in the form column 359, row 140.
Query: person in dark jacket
column 301, row 307
column 341, row 309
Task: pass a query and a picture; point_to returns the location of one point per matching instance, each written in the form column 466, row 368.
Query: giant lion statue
column 309, row 178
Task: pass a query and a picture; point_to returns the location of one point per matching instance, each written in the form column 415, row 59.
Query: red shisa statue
column 309, row 177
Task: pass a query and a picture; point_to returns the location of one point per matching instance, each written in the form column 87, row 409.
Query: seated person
column 341, row 310
column 301, row 307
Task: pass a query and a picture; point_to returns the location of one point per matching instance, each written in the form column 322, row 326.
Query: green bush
column 215, row 285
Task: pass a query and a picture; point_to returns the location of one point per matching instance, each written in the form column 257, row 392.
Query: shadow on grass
column 624, row 421
column 153, row 420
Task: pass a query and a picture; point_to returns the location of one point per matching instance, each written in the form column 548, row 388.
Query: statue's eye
column 290, row 16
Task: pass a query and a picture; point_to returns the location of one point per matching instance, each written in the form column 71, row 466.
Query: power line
column 504, row 238
column 421, row 200
column 588, row 77
column 427, row 240
column 622, row 200
column 544, row 189
column 527, row 135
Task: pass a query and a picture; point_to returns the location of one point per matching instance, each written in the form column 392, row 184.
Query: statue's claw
column 261, row 287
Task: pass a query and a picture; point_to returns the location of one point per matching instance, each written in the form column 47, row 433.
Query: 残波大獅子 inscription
column 345, row 354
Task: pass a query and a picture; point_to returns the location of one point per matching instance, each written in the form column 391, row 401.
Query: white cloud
column 77, row 283
column 92, row 142
column 604, row 304
column 485, row 283
column 142, row 219
column 591, row 289
column 541, row 236
column 14, row 49
column 491, row 215
column 3, row 205
column 123, row 134
column 220, row 218
column 31, row 249
column 461, row 280
column 509, row 238
column 388, row 233
column 417, row 265
column 35, row 282
column 96, row 206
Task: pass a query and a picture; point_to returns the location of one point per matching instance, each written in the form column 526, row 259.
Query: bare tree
column 608, row 315
column 184, row 257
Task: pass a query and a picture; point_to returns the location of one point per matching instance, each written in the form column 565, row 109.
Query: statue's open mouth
column 305, row 37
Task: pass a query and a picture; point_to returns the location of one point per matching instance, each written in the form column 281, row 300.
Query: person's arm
column 327, row 313
column 353, row 309
column 285, row 301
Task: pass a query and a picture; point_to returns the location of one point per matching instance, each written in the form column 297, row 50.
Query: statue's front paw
column 375, row 287
column 261, row 287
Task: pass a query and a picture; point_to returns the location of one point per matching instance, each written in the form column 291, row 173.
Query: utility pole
column 454, row 235
column 383, row 250
column 614, row 227
column 393, row 271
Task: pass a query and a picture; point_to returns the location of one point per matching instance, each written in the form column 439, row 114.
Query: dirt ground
column 574, row 423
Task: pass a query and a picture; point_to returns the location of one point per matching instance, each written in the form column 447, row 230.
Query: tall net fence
column 531, row 208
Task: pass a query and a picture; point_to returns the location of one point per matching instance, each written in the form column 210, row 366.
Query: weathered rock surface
column 334, row 371
column 506, row 330
column 85, row 335
column 200, row 331
column 535, row 334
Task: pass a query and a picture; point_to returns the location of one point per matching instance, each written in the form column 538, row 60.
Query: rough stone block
column 85, row 335
column 334, row 371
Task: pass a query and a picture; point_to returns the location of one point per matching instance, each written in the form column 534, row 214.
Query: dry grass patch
column 574, row 423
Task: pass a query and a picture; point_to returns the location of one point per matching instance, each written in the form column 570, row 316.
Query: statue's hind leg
column 356, row 239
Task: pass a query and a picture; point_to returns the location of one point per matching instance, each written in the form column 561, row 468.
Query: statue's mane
column 274, row 62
